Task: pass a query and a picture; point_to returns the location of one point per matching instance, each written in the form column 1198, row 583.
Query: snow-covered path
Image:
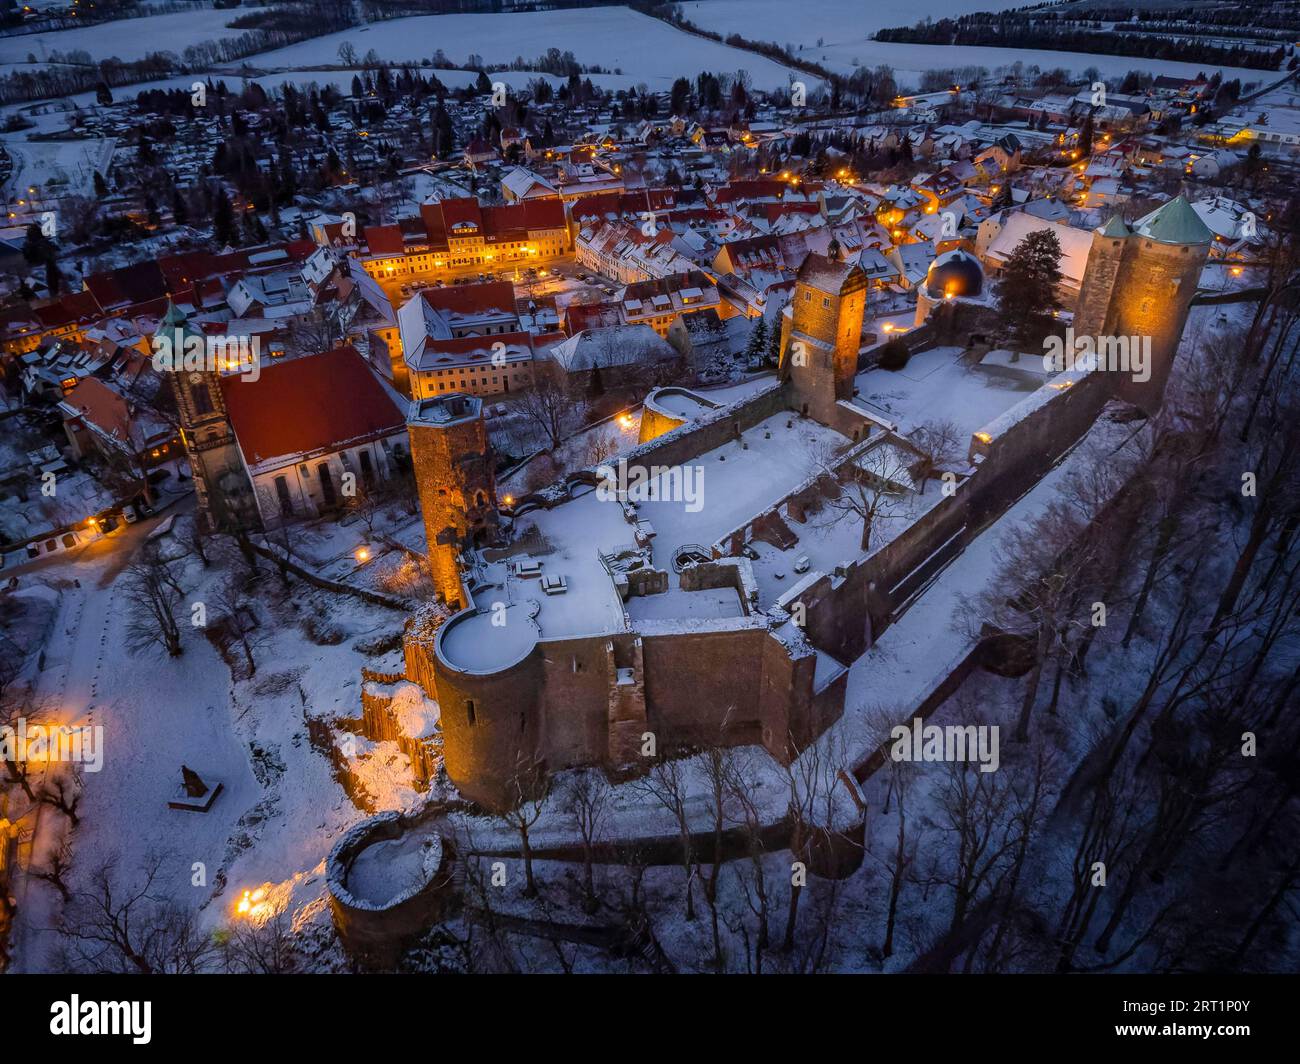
column 155, row 716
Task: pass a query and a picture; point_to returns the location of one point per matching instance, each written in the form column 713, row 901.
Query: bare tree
column 264, row 948
column 63, row 792
column 108, row 928
column 530, row 796
column 587, row 803
column 548, row 407
column 153, row 597
column 872, row 486
column 666, row 784
column 238, row 619
column 56, row 869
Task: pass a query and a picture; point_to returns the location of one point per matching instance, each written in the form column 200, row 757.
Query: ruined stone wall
column 1102, row 274
column 692, row 439
column 376, row 935
column 456, row 485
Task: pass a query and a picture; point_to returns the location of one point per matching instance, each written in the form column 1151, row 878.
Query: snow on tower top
column 444, row 409
column 827, row 274
column 1174, row 223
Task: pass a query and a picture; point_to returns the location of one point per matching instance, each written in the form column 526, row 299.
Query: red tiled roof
column 580, row 316
column 309, row 405
column 77, row 307
column 128, row 284
column 461, row 211
column 472, row 298
column 384, row 239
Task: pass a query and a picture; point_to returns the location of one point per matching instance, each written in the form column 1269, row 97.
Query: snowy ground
column 125, row 39
column 615, row 38
column 844, row 27
column 933, row 387
column 57, row 166
column 280, row 809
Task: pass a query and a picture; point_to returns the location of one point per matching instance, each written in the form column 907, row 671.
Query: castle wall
column 1023, row 448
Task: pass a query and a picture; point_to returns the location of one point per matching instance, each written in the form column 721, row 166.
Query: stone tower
column 221, row 486
column 821, row 331
column 1139, row 283
column 456, row 482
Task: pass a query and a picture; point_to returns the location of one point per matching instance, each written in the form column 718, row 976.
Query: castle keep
column 1140, row 282
column 454, row 477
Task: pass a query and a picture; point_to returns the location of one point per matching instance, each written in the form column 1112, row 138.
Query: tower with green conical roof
column 221, row 485
column 1139, row 285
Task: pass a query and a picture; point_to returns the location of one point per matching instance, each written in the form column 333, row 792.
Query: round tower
column 1160, row 275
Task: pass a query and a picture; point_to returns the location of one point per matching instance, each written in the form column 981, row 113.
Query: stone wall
column 375, row 936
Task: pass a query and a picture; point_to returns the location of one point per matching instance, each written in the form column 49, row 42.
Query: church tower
column 221, row 485
column 821, row 331
column 1139, row 283
column 456, row 481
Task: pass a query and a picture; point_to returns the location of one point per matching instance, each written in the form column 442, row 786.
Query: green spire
column 1174, row 223
column 1115, row 228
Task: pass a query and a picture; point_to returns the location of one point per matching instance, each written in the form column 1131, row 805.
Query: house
column 313, row 432
column 126, row 434
column 620, row 353
column 1076, row 244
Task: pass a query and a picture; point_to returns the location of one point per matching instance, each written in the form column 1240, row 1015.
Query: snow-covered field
column 844, row 27
column 830, row 21
column 127, row 39
column 70, row 164
column 615, row 38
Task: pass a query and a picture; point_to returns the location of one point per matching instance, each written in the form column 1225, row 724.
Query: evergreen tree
column 758, row 344
column 1086, row 132
column 774, row 345
column 1028, row 286
column 37, row 248
column 101, row 186
column 223, row 220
